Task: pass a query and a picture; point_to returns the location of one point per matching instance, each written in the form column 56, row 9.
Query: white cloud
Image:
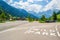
column 58, row 4
column 46, row 0
column 38, row 0
column 27, row 6
column 15, row 4
column 35, row 7
column 30, row 1
column 9, row 1
column 54, row 4
column 50, row 5
column 21, row 4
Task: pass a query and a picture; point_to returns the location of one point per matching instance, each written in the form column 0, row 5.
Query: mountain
column 14, row 11
column 36, row 7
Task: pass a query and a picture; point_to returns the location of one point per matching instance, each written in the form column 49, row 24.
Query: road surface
column 11, row 24
column 32, row 31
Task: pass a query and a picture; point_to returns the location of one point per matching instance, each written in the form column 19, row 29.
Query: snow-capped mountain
column 36, row 7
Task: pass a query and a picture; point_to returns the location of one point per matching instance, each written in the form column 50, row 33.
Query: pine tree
column 43, row 18
column 54, row 16
column 30, row 19
column 2, row 15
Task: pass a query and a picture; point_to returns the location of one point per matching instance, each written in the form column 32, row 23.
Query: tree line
column 4, row 16
column 54, row 18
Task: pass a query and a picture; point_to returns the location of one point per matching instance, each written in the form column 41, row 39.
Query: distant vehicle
column 50, row 21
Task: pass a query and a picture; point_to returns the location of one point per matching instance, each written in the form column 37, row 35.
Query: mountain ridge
column 14, row 11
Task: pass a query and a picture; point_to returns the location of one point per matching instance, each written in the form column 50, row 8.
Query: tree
column 0, row 12
column 3, row 17
column 29, row 18
column 54, row 16
column 43, row 18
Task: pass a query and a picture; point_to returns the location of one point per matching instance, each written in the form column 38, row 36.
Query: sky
column 35, row 5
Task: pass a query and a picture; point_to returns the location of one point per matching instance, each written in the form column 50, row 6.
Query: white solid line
column 7, row 30
column 12, row 29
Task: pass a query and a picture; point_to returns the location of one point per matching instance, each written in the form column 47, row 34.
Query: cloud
column 50, row 5
column 58, row 4
column 30, row 1
column 34, row 0
column 35, row 7
column 20, row 4
column 46, row 0
column 8, row 1
column 27, row 6
column 54, row 4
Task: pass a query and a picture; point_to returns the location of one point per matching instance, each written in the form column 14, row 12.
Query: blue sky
column 35, row 5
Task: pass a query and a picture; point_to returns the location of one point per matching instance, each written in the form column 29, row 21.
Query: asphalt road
column 32, row 31
column 11, row 24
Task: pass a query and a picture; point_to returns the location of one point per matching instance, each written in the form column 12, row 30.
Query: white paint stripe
column 45, row 30
column 52, row 30
column 52, row 34
column 29, row 31
column 37, row 32
column 57, row 31
column 44, row 33
column 7, row 30
column 12, row 29
column 35, row 29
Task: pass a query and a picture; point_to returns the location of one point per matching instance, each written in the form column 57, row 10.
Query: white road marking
column 57, row 31
column 11, row 29
column 7, row 30
column 52, row 30
column 35, row 29
column 45, row 30
column 29, row 31
column 37, row 32
column 58, row 34
column 52, row 34
column 44, row 33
